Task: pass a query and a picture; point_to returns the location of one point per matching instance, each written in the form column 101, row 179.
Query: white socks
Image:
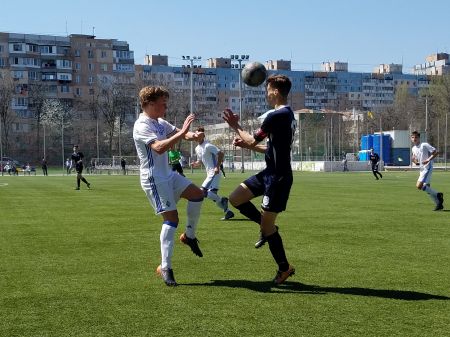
column 432, row 193
column 193, row 214
column 167, row 241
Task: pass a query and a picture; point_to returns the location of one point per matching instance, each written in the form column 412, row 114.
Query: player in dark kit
column 375, row 161
column 275, row 181
column 77, row 159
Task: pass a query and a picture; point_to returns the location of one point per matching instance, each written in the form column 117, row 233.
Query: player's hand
column 187, row 123
column 216, row 170
column 231, row 118
column 237, row 141
column 197, row 134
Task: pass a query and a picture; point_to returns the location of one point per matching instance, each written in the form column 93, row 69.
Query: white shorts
column 164, row 195
column 425, row 175
column 212, row 181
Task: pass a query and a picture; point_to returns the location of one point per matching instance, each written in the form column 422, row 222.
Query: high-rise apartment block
column 77, row 67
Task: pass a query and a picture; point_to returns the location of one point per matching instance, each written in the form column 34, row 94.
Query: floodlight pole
column 191, row 61
column 239, row 59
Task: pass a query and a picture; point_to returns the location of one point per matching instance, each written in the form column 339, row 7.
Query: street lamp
column 239, row 59
column 191, row 66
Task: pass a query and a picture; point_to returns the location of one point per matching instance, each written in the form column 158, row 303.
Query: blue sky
column 363, row 33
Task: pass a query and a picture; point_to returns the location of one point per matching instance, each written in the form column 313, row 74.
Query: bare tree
column 438, row 95
column 7, row 117
column 116, row 100
column 57, row 115
column 37, row 95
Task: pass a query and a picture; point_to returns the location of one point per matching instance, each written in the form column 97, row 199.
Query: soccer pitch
column 371, row 258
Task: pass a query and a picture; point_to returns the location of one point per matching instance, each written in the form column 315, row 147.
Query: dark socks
column 277, row 250
column 83, row 180
column 250, row 211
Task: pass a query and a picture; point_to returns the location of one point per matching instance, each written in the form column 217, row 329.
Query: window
column 78, row 91
column 77, row 53
column 65, row 88
column 17, row 74
column 47, row 49
column 103, row 54
column 33, row 48
column 48, row 77
column 90, row 54
column 21, row 101
column 91, row 66
column 64, row 63
column 1, row 49
column 90, row 80
column 77, row 66
column 33, row 75
column 17, row 47
column 77, row 79
column 104, row 67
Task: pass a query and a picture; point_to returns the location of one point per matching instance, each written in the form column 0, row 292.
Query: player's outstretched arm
column 233, row 121
column 161, row 146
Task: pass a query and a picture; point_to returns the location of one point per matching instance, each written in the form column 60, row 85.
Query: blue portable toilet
column 366, row 142
column 385, row 153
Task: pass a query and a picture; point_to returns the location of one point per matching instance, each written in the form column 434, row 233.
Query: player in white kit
column 153, row 137
column 212, row 158
column 423, row 155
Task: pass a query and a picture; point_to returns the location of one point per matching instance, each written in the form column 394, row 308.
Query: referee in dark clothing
column 375, row 161
column 77, row 159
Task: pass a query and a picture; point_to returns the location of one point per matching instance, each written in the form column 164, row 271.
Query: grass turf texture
column 372, row 259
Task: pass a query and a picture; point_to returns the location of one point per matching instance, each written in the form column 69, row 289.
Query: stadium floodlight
column 191, row 75
column 239, row 66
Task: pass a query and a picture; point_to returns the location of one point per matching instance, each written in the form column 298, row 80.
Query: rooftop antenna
column 67, row 33
column 81, row 26
column 93, row 31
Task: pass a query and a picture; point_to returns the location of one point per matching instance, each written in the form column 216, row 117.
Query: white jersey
column 146, row 131
column 422, row 152
column 207, row 153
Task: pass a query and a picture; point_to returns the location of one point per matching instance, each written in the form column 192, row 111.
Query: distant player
column 374, row 159
column 153, row 137
column 423, row 155
column 175, row 160
column 77, row 159
column 275, row 181
column 212, row 159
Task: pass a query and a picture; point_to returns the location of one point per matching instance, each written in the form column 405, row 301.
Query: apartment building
column 69, row 68
column 435, row 64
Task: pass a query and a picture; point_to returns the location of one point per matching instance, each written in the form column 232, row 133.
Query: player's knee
column 198, row 194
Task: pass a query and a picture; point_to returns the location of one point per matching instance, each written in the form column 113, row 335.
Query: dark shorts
column 274, row 188
column 374, row 167
column 79, row 168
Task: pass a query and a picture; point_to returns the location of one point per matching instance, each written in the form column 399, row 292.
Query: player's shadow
column 301, row 288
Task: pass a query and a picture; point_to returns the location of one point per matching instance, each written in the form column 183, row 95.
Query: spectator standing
column 44, row 166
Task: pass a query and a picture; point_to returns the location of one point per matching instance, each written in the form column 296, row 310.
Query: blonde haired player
column 423, row 155
column 153, row 137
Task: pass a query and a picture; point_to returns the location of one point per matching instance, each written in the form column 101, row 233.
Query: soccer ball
column 254, row 74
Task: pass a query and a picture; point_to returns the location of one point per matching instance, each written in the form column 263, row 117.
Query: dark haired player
column 374, row 159
column 275, row 181
column 77, row 159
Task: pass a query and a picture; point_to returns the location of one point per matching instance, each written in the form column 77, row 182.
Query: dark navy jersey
column 76, row 157
column 374, row 158
column 279, row 127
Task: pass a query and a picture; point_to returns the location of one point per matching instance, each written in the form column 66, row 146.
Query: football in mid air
column 254, row 74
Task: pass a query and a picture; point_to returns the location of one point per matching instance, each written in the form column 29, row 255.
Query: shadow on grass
column 297, row 287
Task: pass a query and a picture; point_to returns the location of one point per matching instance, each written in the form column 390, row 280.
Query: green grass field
column 372, row 259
